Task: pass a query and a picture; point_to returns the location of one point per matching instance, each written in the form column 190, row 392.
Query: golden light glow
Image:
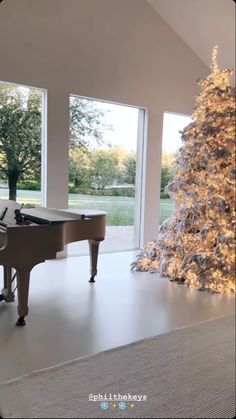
column 196, row 246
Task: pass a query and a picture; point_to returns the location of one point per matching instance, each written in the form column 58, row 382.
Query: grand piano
column 44, row 233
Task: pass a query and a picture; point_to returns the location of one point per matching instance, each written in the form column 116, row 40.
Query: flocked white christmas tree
column 196, row 246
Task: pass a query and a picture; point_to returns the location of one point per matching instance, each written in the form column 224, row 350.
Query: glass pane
column 102, row 167
column 171, row 143
column 20, row 143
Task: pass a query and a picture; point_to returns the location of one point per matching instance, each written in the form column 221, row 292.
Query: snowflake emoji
column 122, row 405
column 104, row 405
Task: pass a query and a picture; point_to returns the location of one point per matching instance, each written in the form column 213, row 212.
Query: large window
column 21, row 131
column 173, row 124
column 104, row 172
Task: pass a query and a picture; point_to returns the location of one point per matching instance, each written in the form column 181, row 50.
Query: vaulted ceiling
column 202, row 24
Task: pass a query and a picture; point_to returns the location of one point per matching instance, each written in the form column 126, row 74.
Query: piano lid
column 42, row 215
column 87, row 212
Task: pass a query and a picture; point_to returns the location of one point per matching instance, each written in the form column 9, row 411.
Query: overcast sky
column 173, row 123
column 124, row 120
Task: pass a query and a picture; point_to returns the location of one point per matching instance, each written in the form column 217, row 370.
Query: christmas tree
column 196, row 246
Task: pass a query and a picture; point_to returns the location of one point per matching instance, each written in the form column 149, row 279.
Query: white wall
column 117, row 50
column 206, row 23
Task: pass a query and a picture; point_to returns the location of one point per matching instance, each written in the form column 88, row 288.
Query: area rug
column 187, row 373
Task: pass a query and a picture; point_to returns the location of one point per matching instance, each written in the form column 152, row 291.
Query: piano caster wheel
column 21, row 321
column 92, row 279
column 2, row 297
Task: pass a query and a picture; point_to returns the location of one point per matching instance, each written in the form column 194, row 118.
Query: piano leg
column 23, row 279
column 7, row 293
column 93, row 250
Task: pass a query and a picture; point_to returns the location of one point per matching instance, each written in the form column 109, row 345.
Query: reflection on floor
column 70, row 317
column 118, row 238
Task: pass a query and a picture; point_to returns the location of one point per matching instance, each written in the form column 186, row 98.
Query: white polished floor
column 70, row 317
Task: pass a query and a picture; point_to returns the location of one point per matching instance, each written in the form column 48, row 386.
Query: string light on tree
column 196, row 246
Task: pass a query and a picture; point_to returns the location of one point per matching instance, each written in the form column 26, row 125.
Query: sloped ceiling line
column 202, row 24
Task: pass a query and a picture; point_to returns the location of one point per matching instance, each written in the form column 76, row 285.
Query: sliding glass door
column 104, row 168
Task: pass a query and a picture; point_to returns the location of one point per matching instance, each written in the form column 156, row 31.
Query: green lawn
column 120, row 209
column 166, row 209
